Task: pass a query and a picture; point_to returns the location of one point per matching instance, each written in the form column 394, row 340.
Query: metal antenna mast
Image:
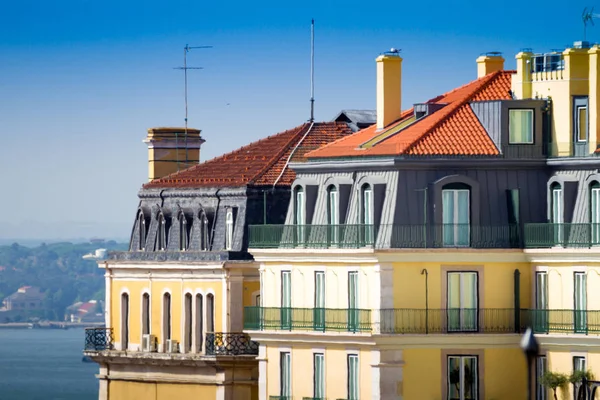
column 185, row 68
column 588, row 18
column 312, row 71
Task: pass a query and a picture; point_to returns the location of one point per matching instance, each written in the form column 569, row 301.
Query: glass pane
column 541, row 369
column 520, row 126
column 285, row 387
column 582, row 124
column 448, row 216
column 353, row 377
column 367, row 201
column 595, row 214
column 319, row 376
column 470, row 378
column 462, row 217
column 541, row 291
column 286, row 289
column 453, row 290
column 454, row 378
column 557, row 205
column 299, row 208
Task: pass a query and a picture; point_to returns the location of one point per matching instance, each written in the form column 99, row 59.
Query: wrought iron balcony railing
column 280, row 397
column 303, row 319
column 548, row 235
column 230, row 344
column 562, row 321
column 385, row 236
column 97, row 339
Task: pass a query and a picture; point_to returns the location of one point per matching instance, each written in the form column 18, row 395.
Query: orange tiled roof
column 452, row 130
column 260, row 163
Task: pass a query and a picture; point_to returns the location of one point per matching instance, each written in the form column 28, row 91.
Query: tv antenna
column 185, row 68
column 588, row 17
column 312, row 70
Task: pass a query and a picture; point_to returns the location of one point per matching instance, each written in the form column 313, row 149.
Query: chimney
column 169, row 151
column 389, row 83
column 489, row 62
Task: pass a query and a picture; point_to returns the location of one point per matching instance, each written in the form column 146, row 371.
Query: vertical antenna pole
column 185, row 50
column 312, row 71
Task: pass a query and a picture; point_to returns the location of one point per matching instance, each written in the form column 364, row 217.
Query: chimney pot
column 489, row 62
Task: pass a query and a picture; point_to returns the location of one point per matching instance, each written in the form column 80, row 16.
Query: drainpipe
column 426, row 273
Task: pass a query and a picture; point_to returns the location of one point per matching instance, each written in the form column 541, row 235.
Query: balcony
column 230, row 344
column 548, row 235
column 217, row 343
column 98, row 339
column 384, row 236
column 564, row 321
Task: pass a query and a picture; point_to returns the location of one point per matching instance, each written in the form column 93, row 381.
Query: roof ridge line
column 282, row 151
column 485, row 81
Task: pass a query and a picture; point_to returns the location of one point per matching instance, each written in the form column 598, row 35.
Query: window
column 299, row 213
column 210, row 312
column 333, row 215
column 520, row 126
column 353, row 389
column 203, row 231
column 141, row 231
column 367, row 214
column 124, row 321
column 229, row 229
column 318, row 376
column 353, row 311
column 541, row 316
column 557, row 213
column 285, row 367
column 579, row 364
column 187, row 323
column 582, row 124
column 146, row 314
column 198, row 325
column 161, row 242
column 183, row 232
column 595, row 212
column 580, row 297
column 541, row 367
column 462, row 301
column 319, row 300
column 286, row 299
column 462, row 378
column 456, row 218
column 166, row 317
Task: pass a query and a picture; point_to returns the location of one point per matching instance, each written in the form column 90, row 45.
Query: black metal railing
column 562, row 321
column 230, row 344
column 311, row 319
column 280, row 397
column 97, row 339
column 385, row 236
column 546, row 235
column 452, row 320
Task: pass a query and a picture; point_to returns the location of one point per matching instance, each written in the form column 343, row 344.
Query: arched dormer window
column 183, row 232
column 299, row 206
column 161, row 239
column 595, row 211
column 367, row 216
column 203, row 231
column 456, row 214
column 557, row 203
column 333, row 213
column 229, row 229
column 141, row 231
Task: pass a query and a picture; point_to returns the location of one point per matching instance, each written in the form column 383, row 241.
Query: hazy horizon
column 82, row 81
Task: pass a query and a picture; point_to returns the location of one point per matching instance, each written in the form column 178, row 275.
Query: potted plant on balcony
column 577, row 377
column 554, row 380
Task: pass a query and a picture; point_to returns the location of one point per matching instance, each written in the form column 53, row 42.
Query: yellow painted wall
column 335, row 371
column 250, row 288
column 124, row 390
column 562, row 361
column 504, row 374
column 136, row 289
column 495, row 290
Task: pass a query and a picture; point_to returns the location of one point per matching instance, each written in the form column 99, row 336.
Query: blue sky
column 82, row 81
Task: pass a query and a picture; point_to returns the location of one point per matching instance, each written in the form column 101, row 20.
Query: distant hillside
column 57, row 269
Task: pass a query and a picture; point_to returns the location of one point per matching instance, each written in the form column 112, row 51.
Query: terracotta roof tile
column 260, row 163
column 452, row 130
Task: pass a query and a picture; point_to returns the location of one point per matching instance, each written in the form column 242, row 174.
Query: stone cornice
column 168, row 359
column 563, row 255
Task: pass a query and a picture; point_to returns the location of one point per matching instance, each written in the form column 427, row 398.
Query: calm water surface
column 45, row 364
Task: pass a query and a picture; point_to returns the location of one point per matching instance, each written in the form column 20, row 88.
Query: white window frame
column 595, row 212
column 229, row 229
column 578, row 133
column 580, row 300
column 285, row 384
column 318, row 375
column 462, row 359
column 203, row 232
column 333, row 213
column 457, row 231
column 541, row 367
column 353, row 365
column 299, row 206
column 521, row 110
column 541, row 290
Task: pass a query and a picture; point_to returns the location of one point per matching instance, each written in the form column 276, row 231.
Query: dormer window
column 141, row 231
column 520, row 126
column 161, row 242
column 183, row 232
column 229, row 229
column 203, row 231
column 333, row 214
column 367, row 213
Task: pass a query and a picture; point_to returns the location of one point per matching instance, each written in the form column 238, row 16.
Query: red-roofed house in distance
column 417, row 250
column 174, row 300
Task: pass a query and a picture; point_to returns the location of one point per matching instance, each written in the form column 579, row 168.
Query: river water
column 45, row 364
